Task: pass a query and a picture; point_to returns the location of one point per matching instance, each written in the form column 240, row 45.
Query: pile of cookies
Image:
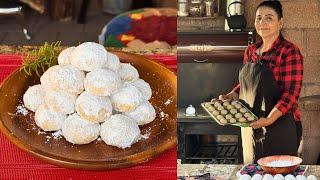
column 229, row 112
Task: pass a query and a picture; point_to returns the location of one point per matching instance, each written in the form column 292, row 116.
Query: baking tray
column 212, row 106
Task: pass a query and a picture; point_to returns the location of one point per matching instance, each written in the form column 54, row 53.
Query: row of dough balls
column 84, row 90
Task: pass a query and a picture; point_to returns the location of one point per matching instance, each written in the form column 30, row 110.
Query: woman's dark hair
column 275, row 5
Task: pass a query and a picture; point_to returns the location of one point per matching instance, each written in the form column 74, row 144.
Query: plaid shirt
column 285, row 61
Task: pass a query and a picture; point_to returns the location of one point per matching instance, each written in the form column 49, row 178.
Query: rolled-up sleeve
column 291, row 74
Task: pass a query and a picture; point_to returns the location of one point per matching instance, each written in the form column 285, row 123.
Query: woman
column 270, row 83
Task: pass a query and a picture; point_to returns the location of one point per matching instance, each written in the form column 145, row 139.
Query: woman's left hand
column 262, row 122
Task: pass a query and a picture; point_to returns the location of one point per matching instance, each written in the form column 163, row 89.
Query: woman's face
column 267, row 23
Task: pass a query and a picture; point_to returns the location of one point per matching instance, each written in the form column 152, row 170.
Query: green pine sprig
column 42, row 58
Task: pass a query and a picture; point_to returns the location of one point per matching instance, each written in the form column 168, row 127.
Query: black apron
column 260, row 92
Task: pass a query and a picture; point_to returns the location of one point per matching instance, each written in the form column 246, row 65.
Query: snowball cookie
column 311, row 177
column 267, row 177
column 245, row 177
column 143, row 114
column 61, row 102
column 89, row 56
column 79, row 131
column 113, row 62
column 301, row 177
column 144, row 88
column 127, row 72
column 64, row 56
column 289, row 177
column 34, row 97
column 102, row 82
column 64, row 78
column 127, row 98
column 120, row 131
column 47, row 119
column 256, row 177
column 278, row 177
column 93, row 108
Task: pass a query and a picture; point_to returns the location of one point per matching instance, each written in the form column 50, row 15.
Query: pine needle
column 42, row 58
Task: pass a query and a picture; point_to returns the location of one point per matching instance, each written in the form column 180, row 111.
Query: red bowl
column 295, row 162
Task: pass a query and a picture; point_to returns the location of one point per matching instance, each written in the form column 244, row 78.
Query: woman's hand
column 262, row 122
column 231, row 95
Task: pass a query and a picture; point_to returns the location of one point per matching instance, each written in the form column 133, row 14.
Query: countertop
column 5, row 49
column 226, row 171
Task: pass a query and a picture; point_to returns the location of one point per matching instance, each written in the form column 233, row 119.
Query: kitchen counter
column 226, row 171
column 5, row 49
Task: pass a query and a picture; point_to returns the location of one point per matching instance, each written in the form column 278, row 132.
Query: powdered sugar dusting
column 280, row 163
column 21, row 109
column 57, row 134
column 168, row 102
column 146, row 135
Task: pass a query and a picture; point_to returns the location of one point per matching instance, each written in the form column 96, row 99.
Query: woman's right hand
column 230, row 95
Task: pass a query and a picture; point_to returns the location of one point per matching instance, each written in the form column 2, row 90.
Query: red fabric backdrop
column 17, row 164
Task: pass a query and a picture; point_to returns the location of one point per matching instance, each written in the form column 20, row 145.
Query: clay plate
column 22, row 131
column 263, row 162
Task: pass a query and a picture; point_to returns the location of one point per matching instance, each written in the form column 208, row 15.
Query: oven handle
column 200, row 61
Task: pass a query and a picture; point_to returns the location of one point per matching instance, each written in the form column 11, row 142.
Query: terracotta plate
column 22, row 131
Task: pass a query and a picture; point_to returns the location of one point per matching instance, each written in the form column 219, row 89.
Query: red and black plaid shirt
column 285, row 61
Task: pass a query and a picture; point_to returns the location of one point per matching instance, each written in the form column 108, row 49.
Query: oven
column 208, row 65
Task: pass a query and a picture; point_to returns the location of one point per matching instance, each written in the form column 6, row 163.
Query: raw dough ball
column 127, row 98
column 247, row 115
column 278, row 177
column 79, row 131
column 120, row 131
column 289, row 177
column 238, row 106
column 243, row 110
column 223, row 121
column 217, row 104
column 89, row 56
column 224, row 112
column 48, row 120
column 144, row 88
column 64, row 57
column 311, row 177
column 207, row 105
column 245, row 177
column 211, row 108
column 93, row 108
column 63, row 78
column 215, row 113
column 234, row 103
column 301, row 177
column 128, row 73
column 233, row 111
column 242, row 119
column 219, row 117
column 251, row 118
column 232, row 120
column 256, row 177
column 267, row 177
column 226, row 103
column 102, row 82
column 238, row 115
column 113, row 62
column 34, row 97
column 228, row 116
column 143, row 114
column 230, row 107
column 60, row 102
column 220, row 108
